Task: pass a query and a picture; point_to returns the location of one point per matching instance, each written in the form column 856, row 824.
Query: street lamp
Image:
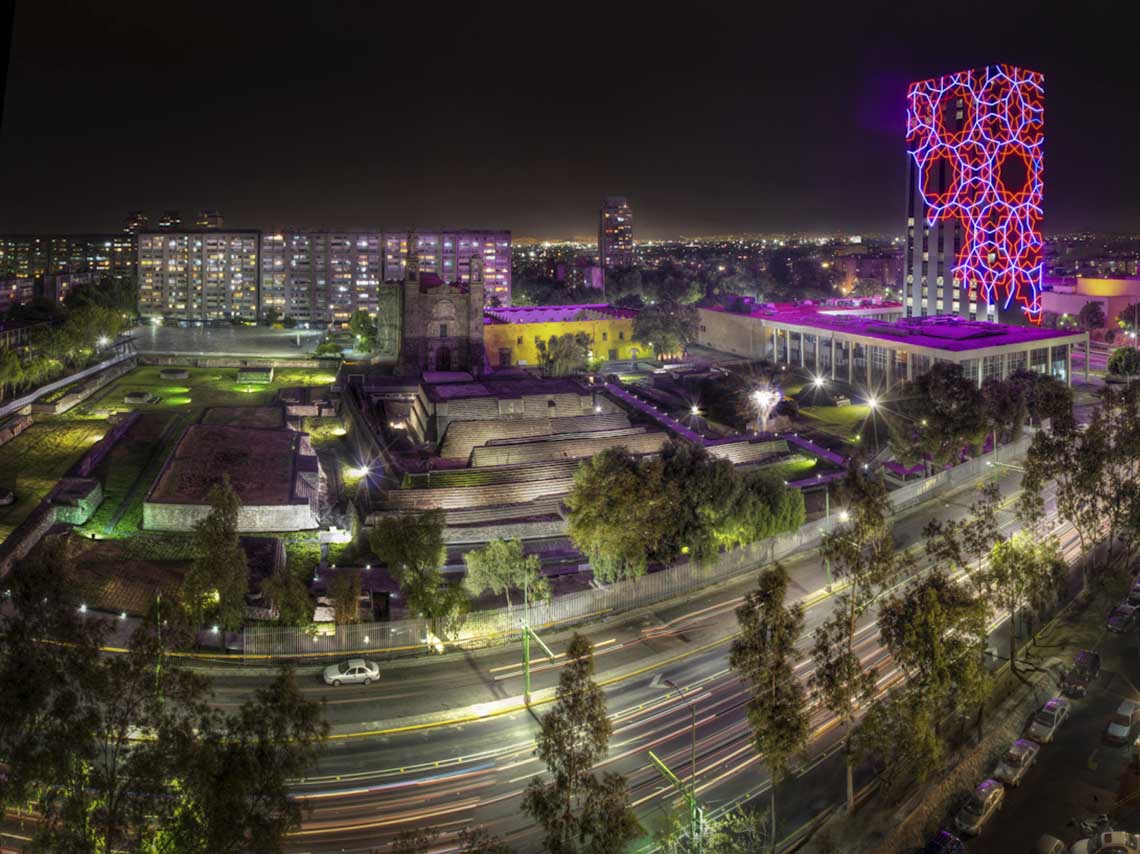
column 764, row 400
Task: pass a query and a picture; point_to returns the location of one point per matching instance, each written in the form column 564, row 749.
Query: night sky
column 710, row 118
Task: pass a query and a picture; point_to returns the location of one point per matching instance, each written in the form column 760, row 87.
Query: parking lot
column 1079, row 774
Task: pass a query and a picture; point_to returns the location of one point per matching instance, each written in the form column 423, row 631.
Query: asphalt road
column 398, row 758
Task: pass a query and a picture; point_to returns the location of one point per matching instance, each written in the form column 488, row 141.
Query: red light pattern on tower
column 976, row 137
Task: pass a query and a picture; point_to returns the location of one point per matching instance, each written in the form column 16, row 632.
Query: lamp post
column 696, row 814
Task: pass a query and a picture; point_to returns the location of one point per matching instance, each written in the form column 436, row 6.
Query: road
column 432, row 744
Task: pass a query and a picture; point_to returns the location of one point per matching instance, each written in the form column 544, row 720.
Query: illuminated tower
column 974, row 191
column 615, row 234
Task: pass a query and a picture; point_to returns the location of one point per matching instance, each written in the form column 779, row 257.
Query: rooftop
column 511, row 387
column 944, row 332
column 556, row 313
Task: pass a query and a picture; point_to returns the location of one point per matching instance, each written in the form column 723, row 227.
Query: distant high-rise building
column 136, row 221
column 35, row 255
column 209, row 219
column 170, row 219
column 320, row 277
column 199, row 275
column 615, row 234
column 974, row 194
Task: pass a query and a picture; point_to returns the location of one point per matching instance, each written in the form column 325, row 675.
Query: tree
column 576, row 811
column 618, row 512
column 344, row 592
column 501, row 565
column 765, row 654
column 413, row 549
column 1023, row 573
column 235, row 771
column 290, row 597
column 964, row 543
column 11, row 371
column 362, row 325
column 1124, row 362
column 203, row 782
column 935, row 417
column 862, row 555
column 667, row 326
column 1046, row 397
column 1003, row 403
column 731, row 833
column 936, row 633
column 1092, row 316
column 219, row 577
column 564, row 355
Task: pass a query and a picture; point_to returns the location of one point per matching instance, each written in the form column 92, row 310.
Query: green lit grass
column 31, row 463
column 846, row 422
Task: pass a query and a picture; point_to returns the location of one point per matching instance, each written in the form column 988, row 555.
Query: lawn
column 31, row 463
column 846, row 422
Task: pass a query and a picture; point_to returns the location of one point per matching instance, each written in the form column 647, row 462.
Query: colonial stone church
column 426, row 324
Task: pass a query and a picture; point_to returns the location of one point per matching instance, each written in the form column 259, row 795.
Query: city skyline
column 777, row 123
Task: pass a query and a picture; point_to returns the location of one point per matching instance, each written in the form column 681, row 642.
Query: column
column 803, row 346
column 868, row 359
column 909, row 366
column 788, row 347
column 833, row 355
column 890, row 367
column 775, row 346
column 1086, row 358
column 1069, row 365
column 817, row 352
column 850, row 345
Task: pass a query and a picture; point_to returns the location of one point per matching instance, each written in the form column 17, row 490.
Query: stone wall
column 100, row 449
column 731, row 333
column 13, row 427
column 573, row 448
column 24, row 538
column 84, row 391
column 174, row 359
column 505, row 531
column 251, row 518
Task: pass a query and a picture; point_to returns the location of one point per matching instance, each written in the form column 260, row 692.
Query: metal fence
column 410, row 637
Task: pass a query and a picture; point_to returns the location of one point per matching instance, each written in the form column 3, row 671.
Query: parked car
column 1048, row 719
column 1108, row 842
column 353, row 671
column 1017, row 762
column 1120, row 619
column 1085, row 669
column 1119, row 729
column 983, row 804
column 1047, row 844
column 944, row 842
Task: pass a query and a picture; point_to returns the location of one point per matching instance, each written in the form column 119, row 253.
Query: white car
column 1119, row 729
column 1048, row 719
column 1017, row 761
column 354, row 671
column 1108, row 842
column 983, row 804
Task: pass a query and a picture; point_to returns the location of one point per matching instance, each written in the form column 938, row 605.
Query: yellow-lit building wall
column 610, row 339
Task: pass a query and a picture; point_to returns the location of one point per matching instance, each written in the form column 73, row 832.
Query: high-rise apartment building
column 199, row 275
column 35, row 255
column 320, row 277
column 170, row 219
column 974, row 194
column 615, row 234
column 448, row 254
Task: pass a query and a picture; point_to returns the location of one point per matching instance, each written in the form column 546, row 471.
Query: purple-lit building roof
column 556, row 313
column 945, row 332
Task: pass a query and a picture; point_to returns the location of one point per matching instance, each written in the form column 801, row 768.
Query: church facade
column 426, row 324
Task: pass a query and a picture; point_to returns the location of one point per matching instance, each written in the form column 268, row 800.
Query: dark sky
column 710, row 118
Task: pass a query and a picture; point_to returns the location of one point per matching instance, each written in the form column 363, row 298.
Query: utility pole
column 527, row 634
column 827, row 514
column 696, row 811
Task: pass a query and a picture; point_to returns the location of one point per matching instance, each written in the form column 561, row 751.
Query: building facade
column 442, row 328
column 870, row 347
column 199, row 275
column 448, row 254
column 35, row 255
column 318, row 277
column 615, row 234
column 974, row 194
column 511, row 336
